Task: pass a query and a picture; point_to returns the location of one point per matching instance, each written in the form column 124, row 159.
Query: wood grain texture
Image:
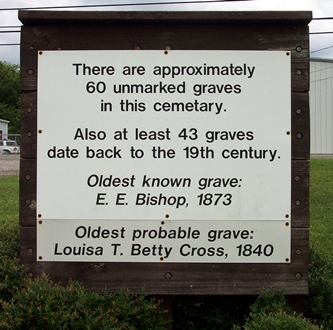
column 219, row 34
column 286, row 31
column 300, row 194
column 28, row 183
column 29, row 125
column 299, row 198
column 60, row 17
column 300, row 125
column 186, row 278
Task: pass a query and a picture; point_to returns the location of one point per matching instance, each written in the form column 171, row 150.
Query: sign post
column 173, row 168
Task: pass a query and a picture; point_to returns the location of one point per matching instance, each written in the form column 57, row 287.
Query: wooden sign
column 166, row 150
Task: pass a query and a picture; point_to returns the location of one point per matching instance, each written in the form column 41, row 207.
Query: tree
column 10, row 95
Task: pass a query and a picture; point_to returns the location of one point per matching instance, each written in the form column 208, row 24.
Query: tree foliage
column 10, row 95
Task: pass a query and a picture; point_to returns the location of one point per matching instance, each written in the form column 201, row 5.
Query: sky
column 321, row 45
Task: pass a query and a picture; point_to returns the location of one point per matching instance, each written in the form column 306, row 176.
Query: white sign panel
column 193, row 139
column 163, row 241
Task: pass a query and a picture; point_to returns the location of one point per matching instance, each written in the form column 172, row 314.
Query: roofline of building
column 317, row 59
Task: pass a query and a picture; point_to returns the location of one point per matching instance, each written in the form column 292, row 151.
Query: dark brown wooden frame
column 54, row 30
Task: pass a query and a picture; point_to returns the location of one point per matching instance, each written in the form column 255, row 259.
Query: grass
column 321, row 206
column 9, row 214
column 9, row 197
column 321, row 230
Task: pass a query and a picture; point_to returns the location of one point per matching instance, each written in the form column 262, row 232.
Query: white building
column 321, row 106
column 3, row 129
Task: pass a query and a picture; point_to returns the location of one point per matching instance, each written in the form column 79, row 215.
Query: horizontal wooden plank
column 300, row 120
column 28, row 192
column 300, row 81
column 187, row 36
column 300, row 125
column 178, row 278
column 47, row 17
column 300, row 194
column 180, row 31
column 28, row 125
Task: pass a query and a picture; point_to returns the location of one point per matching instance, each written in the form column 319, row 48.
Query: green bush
column 45, row 305
column 279, row 320
column 271, row 311
column 270, row 301
column 40, row 304
column 9, row 238
column 11, row 271
column 320, row 299
column 12, row 277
